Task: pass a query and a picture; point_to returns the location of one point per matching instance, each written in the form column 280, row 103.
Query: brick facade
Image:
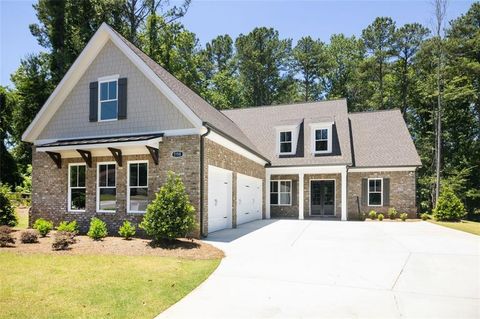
column 284, row 211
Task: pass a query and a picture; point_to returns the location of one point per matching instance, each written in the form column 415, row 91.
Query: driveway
column 333, row 269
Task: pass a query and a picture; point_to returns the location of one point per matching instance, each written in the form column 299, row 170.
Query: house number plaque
column 177, row 154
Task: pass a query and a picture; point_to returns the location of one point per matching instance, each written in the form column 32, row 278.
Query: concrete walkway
column 333, row 269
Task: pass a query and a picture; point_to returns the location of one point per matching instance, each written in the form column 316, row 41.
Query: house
column 118, row 122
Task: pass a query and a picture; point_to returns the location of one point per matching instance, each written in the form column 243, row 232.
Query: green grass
column 70, row 286
column 22, row 215
column 464, row 225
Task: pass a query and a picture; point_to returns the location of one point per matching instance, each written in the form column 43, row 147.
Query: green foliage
column 7, row 212
column 98, row 229
column 403, row 216
column 127, row 230
column 43, row 226
column 449, row 206
column 380, row 217
column 70, row 227
column 424, row 216
column 372, row 214
column 392, row 213
column 170, row 215
column 29, row 236
column 362, row 216
column 6, row 237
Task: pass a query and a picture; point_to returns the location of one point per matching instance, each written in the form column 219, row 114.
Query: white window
column 286, row 139
column 76, row 187
column 375, row 192
column 286, row 143
column 106, row 187
column 137, row 200
column 281, row 193
column 321, row 137
column 321, row 140
column 108, row 98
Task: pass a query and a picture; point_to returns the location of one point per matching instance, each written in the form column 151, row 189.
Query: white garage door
column 249, row 198
column 219, row 198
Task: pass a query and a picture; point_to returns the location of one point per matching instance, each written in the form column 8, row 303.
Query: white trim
column 278, row 181
column 152, row 142
column 69, row 188
column 293, row 129
column 98, row 210
column 217, row 138
column 301, row 193
column 128, row 186
column 334, row 195
column 381, row 191
column 382, row 169
column 344, row 195
column 334, row 169
column 109, row 78
column 106, row 79
column 321, row 126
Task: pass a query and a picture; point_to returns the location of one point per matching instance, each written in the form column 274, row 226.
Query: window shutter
column 386, row 192
column 122, row 98
column 364, row 191
column 93, row 101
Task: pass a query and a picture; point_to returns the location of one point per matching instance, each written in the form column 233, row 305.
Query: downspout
column 202, row 182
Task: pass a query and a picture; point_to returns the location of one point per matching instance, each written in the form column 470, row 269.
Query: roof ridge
column 278, row 105
column 374, row 111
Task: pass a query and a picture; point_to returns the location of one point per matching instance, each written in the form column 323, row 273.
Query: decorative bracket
column 154, row 153
column 117, row 154
column 56, row 158
column 87, row 157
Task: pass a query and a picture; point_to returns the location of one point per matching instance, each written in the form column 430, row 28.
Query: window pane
column 273, row 198
column 138, row 199
column 103, row 175
column 73, row 176
column 318, row 134
column 112, row 90
column 321, row 146
column 378, row 185
column 375, row 198
column 108, row 198
column 285, row 198
column 108, row 110
column 133, row 174
column 81, row 176
column 284, row 186
column 274, row 187
column 324, row 134
column 142, row 174
column 103, row 91
column 285, row 136
column 285, row 147
column 111, row 175
column 77, row 199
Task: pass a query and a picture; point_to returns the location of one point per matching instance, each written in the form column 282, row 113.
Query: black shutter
column 386, row 192
column 122, row 98
column 364, row 191
column 93, row 101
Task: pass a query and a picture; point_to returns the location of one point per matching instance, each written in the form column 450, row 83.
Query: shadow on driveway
column 231, row 234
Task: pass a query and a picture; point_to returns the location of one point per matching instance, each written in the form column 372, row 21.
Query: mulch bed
column 182, row 248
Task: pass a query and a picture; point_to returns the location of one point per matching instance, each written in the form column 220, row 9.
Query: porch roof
column 102, row 140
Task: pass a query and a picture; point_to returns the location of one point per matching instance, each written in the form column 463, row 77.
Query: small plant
column 98, row 229
column 362, row 216
column 43, row 226
column 449, row 206
column 372, row 215
column 392, row 213
column 424, row 216
column 403, row 216
column 6, row 236
column 127, row 230
column 29, row 236
column 7, row 212
column 70, row 227
column 62, row 240
column 380, row 217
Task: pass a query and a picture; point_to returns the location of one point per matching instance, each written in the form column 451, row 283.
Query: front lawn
column 95, row 286
column 464, row 225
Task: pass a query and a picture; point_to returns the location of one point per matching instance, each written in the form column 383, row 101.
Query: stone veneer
column 50, row 188
column 286, row 211
column 219, row 156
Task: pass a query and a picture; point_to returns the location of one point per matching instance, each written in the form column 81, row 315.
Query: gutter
column 202, row 182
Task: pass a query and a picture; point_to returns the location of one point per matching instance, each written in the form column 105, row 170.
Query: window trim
column 128, row 186
column 69, row 188
column 280, row 142
column 278, row 200
column 319, row 126
column 287, row 128
column 106, row 79
column 381, row 191
column 98, row 188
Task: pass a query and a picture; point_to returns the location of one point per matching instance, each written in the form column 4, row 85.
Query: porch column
column 267, row 195
column 300, row 196
column 344, row 193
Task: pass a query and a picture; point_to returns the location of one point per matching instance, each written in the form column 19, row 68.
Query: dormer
column 287, row 138
column 321, row 137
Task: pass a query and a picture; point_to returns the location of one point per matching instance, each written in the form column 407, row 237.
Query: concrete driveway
column 333, row 269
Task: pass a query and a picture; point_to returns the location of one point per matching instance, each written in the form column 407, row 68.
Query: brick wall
column 291, row 211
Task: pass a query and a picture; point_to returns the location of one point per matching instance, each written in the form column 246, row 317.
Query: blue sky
column 293, row 19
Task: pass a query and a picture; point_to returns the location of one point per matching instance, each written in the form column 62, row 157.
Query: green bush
column 403, row 216
column 392, row 213
column 127, row 230
column 170, row 215
column 362, row 216
column 424, row 216
column 29, row 236
column 6, row 236
column 43, row 226
column 372, row 215
column 7, row 212
column 380, row 217
column 62, row 240
column 98, row 229
column 449, row 206
column 70, row 227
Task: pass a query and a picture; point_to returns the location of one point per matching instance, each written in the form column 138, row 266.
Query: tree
column 8, row 167
column 7, row 212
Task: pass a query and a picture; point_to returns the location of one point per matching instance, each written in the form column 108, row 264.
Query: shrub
column 403, row 216
column 5, row 229
column 372, row 215
column 62, row 240
column 29, row 236
column 98, row 229
column 43, row 226
column 70, row 227
column 6, row 236
column 170, row 215
column 392, row 213
column 127, row 230
column 380, row 217
column 362, row 216
column 7, row 212
column 449, row 206
column 424, row 216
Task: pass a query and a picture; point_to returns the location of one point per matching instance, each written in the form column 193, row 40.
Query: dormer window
column 287, row 136
column 321, row 138
column 286, row 142
column 108, row 99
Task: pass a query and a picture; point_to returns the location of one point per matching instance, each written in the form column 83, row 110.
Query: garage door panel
column 249, row 198
column 219, row 199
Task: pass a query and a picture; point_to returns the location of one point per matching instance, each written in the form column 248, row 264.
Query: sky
column 207, row 19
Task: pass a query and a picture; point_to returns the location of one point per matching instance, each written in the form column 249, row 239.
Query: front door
column 322, row 198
